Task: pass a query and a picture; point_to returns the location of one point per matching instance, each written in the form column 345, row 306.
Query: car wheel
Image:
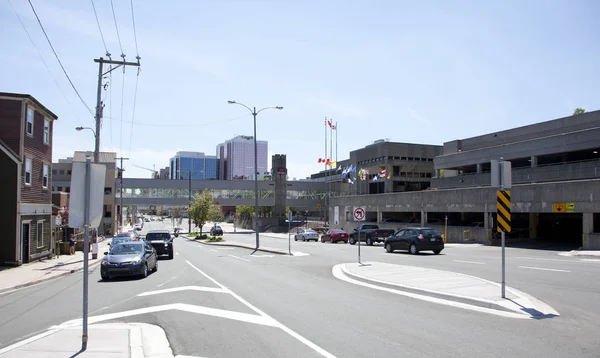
column 145, row 271
column 171, row 255
column 105, row 278
column 369, row 241
column 388, row 248
column 437, row 252
column 332, row 240
column 413, row 249
column 295, row 238
column 352, row 241
column 155, row 268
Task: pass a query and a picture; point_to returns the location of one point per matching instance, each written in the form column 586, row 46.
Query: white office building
column 235, row 158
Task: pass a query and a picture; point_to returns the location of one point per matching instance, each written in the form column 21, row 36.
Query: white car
column 137, row 227
column 307, row 235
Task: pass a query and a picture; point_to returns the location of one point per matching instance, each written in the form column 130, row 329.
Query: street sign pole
column 86, row 243
column 502, row 179
column 290, row 231
column 360, row 263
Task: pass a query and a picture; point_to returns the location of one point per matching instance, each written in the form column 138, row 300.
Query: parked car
column 129, row 259
column 334, row 236
column 137, row 227
column 415, row 239
column 369, row 233
column 161, row 241
column 216, row 231
column 306, row 235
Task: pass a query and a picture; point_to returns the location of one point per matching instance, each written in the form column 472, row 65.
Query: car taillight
column 421, row 238
column 375, row 232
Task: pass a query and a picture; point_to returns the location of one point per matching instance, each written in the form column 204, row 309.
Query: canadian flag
column 321, row 160
column 331, row 125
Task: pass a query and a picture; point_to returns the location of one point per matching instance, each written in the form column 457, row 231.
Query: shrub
column 214, row 239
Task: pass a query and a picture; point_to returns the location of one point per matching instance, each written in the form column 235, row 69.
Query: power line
column 58, row 59
column 100, row 29
column 181, row 125
column 137, row 78
column 117, row 27
column 45, row 64
column 134, row 31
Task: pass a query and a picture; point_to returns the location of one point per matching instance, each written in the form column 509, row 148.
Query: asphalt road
column 218, row 301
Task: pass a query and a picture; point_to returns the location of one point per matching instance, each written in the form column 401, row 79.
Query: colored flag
column 382, row 173
column 374, row 179
column 389, row 175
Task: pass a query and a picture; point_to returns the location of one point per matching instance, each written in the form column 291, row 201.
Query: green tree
column 200, row 209
column 578, row 111
column 215, row 214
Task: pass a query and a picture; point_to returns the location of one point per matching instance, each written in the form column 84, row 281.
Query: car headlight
column 135, row 262
column 104, row 263
column 166, row 244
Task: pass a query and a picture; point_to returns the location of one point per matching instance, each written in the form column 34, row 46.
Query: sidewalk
column 590, row 253
column 445, row 287
column 113, row 340
column 44, row 270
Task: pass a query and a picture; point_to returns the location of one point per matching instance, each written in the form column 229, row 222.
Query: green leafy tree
column 215, row 214
column 578, row 111
column 200, row 209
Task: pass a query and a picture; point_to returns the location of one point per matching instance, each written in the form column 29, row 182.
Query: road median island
column 236, row 244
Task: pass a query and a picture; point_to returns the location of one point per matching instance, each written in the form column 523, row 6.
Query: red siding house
column 26, row 158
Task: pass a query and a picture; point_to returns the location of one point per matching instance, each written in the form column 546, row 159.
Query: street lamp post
column 96, row 143
column 254, row 114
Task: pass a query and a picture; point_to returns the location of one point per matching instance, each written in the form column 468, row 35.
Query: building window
column 27, row 171
column 61, row 172
column 108, row 191
column 67, row 189
column 53, row 171
column 39, row 234
column 45, row 176
column 29, row 127
column 46, row 131
column 68, row 172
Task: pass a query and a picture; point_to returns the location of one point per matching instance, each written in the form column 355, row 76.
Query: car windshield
column 158, row 236
column 120, row 239
column 127, row 249
column 217, row 228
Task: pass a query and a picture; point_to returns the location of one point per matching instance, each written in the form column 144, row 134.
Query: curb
column 244, row 247
column 45, row 279
column 435, row 294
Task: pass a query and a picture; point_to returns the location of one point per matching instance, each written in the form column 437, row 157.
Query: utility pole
column 190, row 202
column 99, row 105
column 121, row 170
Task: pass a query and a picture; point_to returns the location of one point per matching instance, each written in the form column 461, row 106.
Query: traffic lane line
column 239, row 258
column 542, row 269
column 470, row 262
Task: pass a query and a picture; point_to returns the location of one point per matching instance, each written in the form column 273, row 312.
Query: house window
column 45, row 177
column 46, row 131
column 108, row 191
column 27, row 171
column 39, row 234
column 61, row 172
column 53, row 171
column 68, row 172
column 29, row 128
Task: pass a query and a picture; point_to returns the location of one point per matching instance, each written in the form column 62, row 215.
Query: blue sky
column 420, row 72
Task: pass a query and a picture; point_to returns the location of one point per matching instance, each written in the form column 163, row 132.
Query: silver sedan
column 307, row 235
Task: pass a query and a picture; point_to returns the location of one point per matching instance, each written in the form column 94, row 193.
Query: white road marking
column 167, row 281
column 28, row 340
column 238, row 316
column 543, row 269
column 298, row 253
column 185, row 288
column 177, row 253
column 470, row 262
column 300, row 338
column 543, row 259
column 263, row 255
column 239, row 258
column 338, row 273
column 213, row 250
column 590, row 260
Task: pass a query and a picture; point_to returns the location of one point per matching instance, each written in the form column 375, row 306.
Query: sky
column 418, row 72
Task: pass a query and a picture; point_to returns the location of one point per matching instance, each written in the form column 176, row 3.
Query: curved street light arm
column 243, row 105
column 272, row 107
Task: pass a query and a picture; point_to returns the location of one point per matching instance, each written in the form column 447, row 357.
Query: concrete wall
column 562, row 172
column 536, row 198
column 561, row 135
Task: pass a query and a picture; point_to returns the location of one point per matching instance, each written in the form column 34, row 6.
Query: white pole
column 86, row 243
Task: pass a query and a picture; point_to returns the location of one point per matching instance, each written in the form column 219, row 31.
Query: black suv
column 161, row 241
column 216, row 231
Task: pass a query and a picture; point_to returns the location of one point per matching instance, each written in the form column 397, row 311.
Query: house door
column 25, row 231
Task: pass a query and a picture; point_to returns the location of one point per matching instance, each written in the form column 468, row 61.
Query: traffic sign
column 503, row 210
column 570, row 207
column 359, row 214
column 559, row 207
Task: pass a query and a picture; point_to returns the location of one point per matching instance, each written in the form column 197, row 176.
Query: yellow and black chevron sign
column 503, row 207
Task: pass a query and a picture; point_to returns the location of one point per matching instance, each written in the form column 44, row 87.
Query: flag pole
column 336, row 147
column 330, row 159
